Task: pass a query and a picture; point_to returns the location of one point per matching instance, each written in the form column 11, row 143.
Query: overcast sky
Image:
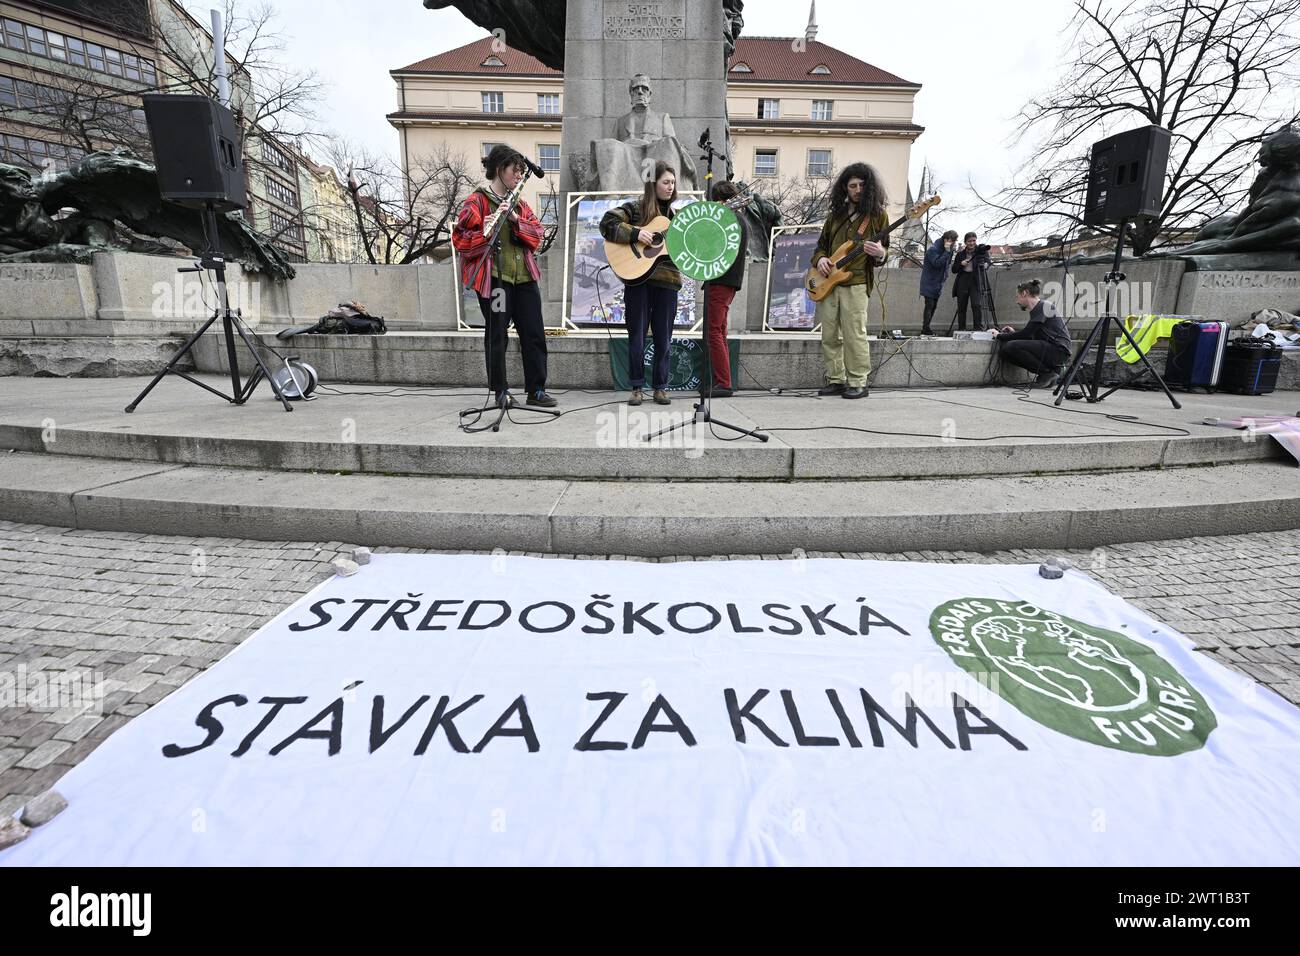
column 977, row 63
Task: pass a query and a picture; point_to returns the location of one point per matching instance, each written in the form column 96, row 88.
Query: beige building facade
column 799, row 111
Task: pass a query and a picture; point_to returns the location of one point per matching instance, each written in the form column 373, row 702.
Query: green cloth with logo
column 687, row 363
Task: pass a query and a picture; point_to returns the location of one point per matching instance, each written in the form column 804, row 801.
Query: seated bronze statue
column 1271, row 220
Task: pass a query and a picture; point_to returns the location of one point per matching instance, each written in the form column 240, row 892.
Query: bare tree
column 801, row 200
column 403, row 217
column 1220, row 75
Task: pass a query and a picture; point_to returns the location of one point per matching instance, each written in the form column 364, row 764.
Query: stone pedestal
column 1235, row 296
column 676, row 43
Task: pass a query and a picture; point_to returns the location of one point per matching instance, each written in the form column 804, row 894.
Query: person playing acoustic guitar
column 653, row 301
column 857, row 194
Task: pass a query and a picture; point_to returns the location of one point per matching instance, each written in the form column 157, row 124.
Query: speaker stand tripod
column 231, row 321
column 1101, row 333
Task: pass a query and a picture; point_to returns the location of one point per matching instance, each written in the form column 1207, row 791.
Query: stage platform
column 904, row 470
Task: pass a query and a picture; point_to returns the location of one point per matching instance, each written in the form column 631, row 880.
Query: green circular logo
column 704, row 240
column 1092, row 684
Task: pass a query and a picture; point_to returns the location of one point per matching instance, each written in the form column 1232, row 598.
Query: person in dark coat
column 969, row 267
column 718, row 296
column 934, row 273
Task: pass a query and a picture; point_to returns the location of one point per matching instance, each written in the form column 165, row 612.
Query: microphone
column 704, row 138
column 534, row 168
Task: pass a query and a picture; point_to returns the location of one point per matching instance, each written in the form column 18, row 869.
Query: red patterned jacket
column 472, row 246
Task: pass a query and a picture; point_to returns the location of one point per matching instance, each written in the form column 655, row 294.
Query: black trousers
column 522, row 304
column 656, row 307
column 1036, row 356
column 969, row 295
column 930, row 306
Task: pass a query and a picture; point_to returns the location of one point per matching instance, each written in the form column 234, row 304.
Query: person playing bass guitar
column 857, row 210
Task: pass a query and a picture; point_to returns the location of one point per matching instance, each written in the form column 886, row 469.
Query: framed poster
column 788, row 307
column 595, row 293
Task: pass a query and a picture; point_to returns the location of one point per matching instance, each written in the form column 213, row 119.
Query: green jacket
column 510, row 265
column 839, row 230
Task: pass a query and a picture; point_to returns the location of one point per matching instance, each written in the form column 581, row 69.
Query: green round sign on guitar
column 704, row 240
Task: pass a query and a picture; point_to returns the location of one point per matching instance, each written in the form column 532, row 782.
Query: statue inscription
column 18, row 272
column 1252, row 280
column 646, row 21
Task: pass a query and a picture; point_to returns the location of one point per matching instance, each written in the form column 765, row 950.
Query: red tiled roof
column 469, row 59
column 772, row 59
column 775, row 60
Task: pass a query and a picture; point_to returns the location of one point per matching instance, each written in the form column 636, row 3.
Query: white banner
column 476, row 710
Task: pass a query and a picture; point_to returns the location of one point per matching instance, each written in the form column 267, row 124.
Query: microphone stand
column 703, row 413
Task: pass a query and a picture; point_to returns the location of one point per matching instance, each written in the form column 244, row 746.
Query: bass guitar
column 843, row 259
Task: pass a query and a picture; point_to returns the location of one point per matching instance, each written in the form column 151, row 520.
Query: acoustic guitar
column 843, row 258
column 634, row 263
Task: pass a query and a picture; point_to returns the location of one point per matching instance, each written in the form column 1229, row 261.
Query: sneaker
column 1046, row 379
column 510, row 400
column 661, row 397
column 854, row 391
column 637, row 398
column 834, row 388
column 717, row 391
column 540, row 397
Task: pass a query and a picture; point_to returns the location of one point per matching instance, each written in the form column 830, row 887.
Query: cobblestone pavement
column 141, row 614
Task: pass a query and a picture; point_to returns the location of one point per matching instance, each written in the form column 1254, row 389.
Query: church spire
column 811, row 33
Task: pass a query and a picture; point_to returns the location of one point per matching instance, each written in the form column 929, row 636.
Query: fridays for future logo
column 1090, row 683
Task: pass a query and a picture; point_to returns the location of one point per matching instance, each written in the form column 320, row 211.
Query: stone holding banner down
column 481, row 710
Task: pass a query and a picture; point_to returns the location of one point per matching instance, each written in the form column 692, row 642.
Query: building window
column 281, row 193
column 494, row 102
column 550, row 211
column 32, row 39
column 76, row 52
column 819, row 162
column 769, row 109
column 33, row 153
column 548, row 103
column 275, row 157
column 822, row 109
column 36, row 41
column 493, row 60
column 283, row 227
column 741, row 68
column 821, row 69
column 764, row 162
column 548, row 157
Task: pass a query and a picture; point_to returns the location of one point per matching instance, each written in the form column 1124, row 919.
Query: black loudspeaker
column 196, row 150
column 1126, row 176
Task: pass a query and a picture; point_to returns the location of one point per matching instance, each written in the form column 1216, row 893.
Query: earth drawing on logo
column 1093, row 684
column 1092, row 673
